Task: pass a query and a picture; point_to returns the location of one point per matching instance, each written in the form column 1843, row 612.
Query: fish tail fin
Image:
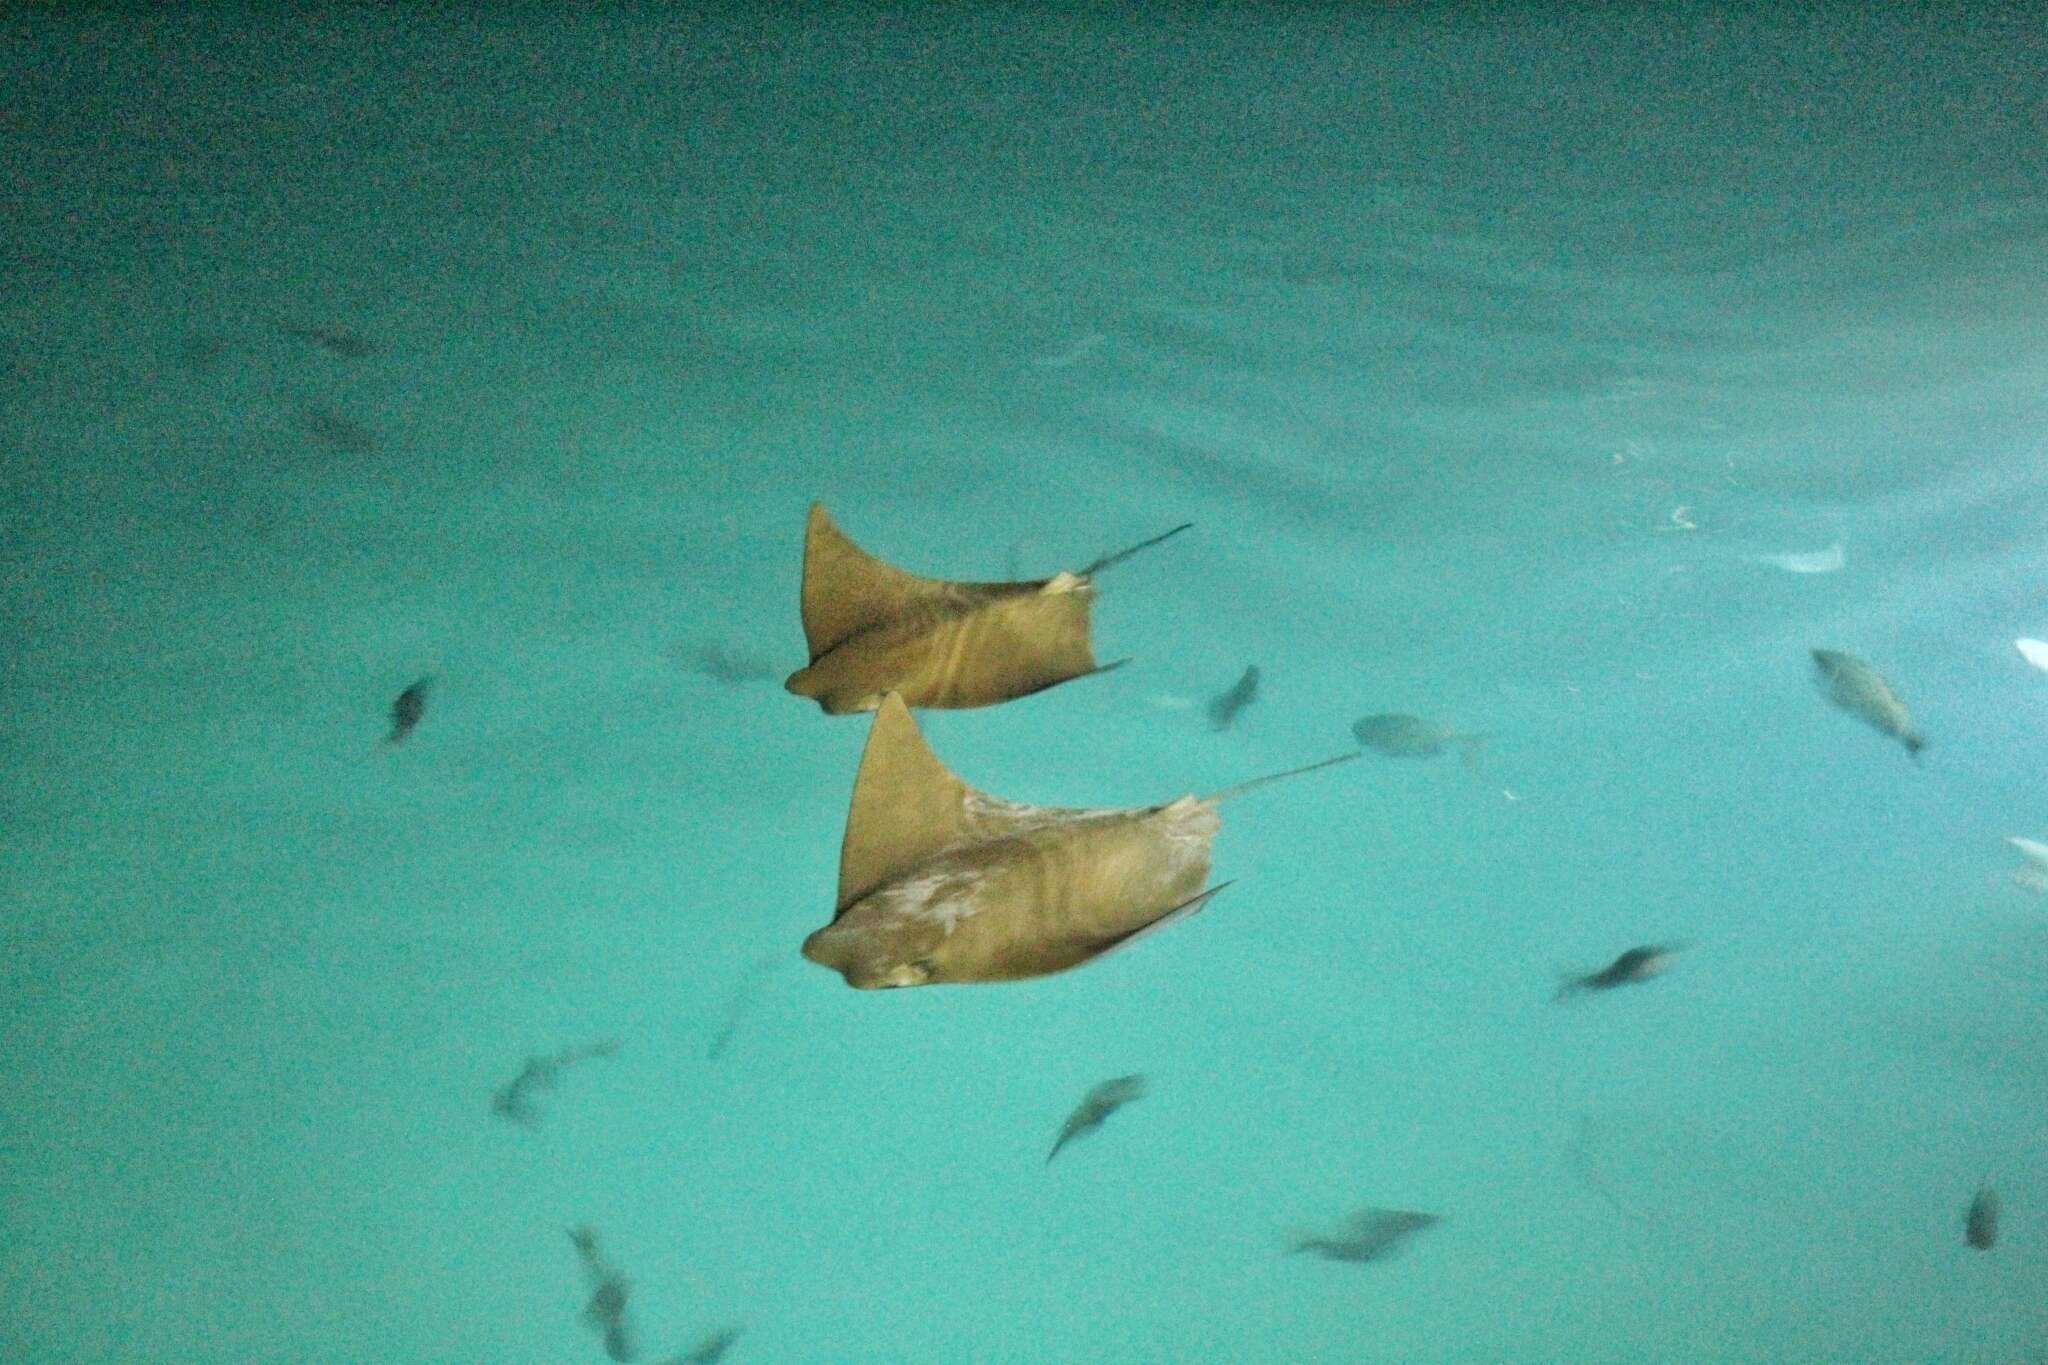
column 1914, row 742
column 1470, row 747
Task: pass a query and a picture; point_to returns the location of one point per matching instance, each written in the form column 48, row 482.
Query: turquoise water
column 1493, row 355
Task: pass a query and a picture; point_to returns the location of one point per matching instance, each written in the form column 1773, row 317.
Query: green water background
column 1485, row 347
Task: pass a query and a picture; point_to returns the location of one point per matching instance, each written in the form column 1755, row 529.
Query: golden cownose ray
column 941, row 883
column 874, row 629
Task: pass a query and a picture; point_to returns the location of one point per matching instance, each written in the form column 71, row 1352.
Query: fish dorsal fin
column 907, row 805
column 847, row 590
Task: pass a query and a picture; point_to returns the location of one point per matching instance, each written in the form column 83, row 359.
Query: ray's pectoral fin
column 907, row 805
column 1193, row 905
column 846, row 590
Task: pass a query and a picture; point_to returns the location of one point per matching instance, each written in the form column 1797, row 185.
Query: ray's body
column 873, row 629
column 942, row 883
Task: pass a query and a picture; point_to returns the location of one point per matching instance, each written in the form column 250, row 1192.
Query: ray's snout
column 831, row 947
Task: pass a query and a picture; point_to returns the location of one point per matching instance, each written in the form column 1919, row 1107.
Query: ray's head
column 872, row 961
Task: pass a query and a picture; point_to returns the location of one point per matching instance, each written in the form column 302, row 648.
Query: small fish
column 742, row 998
column 2033, row 872
column 1980, row 1221
column 513, row 1099
column 202, row 352
column 2034, row 652
column 1097, row 1105
column 709, row 1351
column 714, row 661
column 345, row 342
column 407, row 708
column 1223, row 710
column 1859, row 689
column 1403, row 736
column 332, row 428
column 1805, row 561
column 606, row 1310
column 1635, row 965
column 1368, row 1235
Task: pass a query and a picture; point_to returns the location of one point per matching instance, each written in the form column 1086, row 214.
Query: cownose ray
column 940, row 883
column 873, row 628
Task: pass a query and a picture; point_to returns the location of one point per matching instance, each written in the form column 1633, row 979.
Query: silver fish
column 1398, row 735
column 1861, row 690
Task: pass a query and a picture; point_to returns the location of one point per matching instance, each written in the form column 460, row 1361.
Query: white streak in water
column 2034, row 652
column 2033, row 873
column 1804, row 561
column 1073, row 353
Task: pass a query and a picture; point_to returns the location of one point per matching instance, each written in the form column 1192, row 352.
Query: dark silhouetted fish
column 1368, row 1235
column 1097, row 1105
column 873, row 629
column 709, row 1351
column 939, row 883
column 514, row 1099
column 1223, row 710
column 407, row 709
column 1980, row 1221
column 336, row 429
column 1861, row 690
column 606, row 1310
column 1635, row 965
column 720, row 664
column 335, row 338
column 1403, row 736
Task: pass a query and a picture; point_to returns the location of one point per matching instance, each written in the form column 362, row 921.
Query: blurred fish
column 345, row 342
column 2034, row 652
column 1635, row 965
column 606, row 1310
column 2033, row 872
column 1224, row 708
column 1804, row 561
column 513, row 1100
column 742, row 998
column 714, row 661
column 709, row 1351
column 1097, row 1105
column 334, row 428
column 1368, row 1235
column 1859, row 689
column 873, row 629
column 1403, row 736
column 407, row 709
column 939, row 883
column 1980, row 1221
